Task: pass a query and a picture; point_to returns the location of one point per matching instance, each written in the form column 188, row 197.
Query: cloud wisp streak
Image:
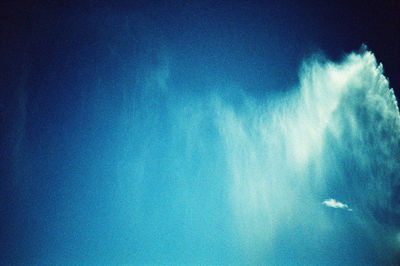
column 336, row 204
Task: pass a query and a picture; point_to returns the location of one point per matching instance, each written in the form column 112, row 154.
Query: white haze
column 337, row 135
column 207, row 173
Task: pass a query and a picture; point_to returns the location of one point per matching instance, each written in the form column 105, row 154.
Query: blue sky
column 200, row 132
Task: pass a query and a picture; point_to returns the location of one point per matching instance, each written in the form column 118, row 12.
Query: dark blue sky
column 73, row 74
column 272, row 37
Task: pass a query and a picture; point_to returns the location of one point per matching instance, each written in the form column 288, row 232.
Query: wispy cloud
column 336, row 204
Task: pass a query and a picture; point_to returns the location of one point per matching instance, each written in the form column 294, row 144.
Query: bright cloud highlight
column 336, row 204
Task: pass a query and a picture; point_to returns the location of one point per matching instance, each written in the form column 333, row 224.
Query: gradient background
column 82, row 183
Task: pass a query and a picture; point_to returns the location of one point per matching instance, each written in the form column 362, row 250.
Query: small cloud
column 336, row 204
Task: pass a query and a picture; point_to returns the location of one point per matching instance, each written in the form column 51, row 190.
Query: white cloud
column 336, row 204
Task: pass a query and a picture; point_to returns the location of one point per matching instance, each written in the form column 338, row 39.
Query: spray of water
column 335, row 141
column 308, row 177
column 159, row 175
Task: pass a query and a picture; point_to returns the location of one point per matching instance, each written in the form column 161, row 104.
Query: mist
column 144, row 136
